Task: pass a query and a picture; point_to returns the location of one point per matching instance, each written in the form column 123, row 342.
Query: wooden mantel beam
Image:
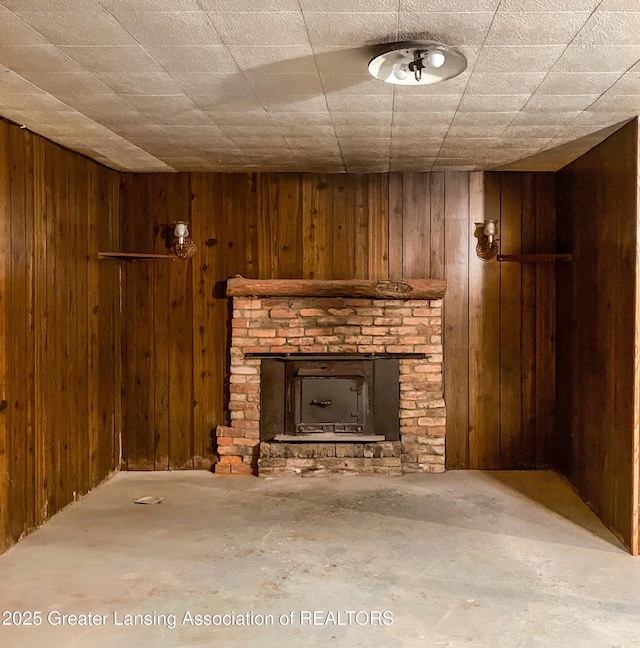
column 371, row 288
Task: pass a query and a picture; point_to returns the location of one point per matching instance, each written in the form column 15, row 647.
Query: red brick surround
column 338, row 325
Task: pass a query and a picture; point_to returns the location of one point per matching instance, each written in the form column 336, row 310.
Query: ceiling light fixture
column 417, row 63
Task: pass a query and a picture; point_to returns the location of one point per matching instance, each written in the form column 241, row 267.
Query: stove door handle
column 324, row 403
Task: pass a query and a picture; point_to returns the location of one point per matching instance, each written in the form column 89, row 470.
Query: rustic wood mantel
column 372, row 288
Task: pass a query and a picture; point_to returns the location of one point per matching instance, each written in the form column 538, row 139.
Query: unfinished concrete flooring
column 460, row 559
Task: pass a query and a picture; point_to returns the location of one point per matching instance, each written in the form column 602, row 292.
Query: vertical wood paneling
column 396, row 224
column 456, row 318
column 510, row 325
column 484, row 332
column 344, row 227
column 5, row 283
column 545, row 322
column 361, row 224
column 48, row 300
column 209, row 317
column 597, row 327
column 379, row 238
column 528, row 382
column 317, row 228
column 437, row 208
column 288, row 226
column 416, row 225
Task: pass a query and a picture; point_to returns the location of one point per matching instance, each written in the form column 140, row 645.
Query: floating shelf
column 533, row 258
column 136, row 256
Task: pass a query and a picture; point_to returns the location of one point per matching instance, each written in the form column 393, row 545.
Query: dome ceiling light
column 417, row 63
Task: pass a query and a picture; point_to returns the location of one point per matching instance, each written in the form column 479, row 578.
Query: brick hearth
column 319, row 325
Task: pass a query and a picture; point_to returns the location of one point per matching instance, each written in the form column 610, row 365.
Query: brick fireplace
column 272, row 331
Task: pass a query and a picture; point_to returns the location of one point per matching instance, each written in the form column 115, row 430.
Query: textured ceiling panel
column 283, row 84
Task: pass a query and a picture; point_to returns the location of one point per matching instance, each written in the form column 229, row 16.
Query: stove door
column 337, row 400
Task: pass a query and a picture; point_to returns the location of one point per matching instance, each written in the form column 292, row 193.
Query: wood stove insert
column 329, row 398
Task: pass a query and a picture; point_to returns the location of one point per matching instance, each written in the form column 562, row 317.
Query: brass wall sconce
column 183, row 246
column 487, row 245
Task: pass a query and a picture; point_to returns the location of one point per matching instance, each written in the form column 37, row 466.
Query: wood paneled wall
column 511, row 337
column 498, row 320
column 58, row 321
column 598, row 384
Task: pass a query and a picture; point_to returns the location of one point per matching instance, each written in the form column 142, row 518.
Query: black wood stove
column 329, row 398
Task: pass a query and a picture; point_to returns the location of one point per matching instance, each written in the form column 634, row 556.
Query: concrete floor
column 460, row 559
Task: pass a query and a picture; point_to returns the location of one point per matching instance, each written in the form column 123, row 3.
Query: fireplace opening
column 329, row 399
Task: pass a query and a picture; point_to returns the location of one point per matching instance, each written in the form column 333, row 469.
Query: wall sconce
column 487, row 246
column 183, row 246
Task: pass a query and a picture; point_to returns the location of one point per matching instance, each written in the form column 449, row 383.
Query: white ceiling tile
column 425, row 104
column 349, row 29
column 618, row 5
column 513, row 83
column 469, row 142
column 617, row 103
column 451, row 86
column 62, row 84
column 360, row 103
column 474, row 131
column 216, row 102
column 530, row 131
column 291, row 59
column 420, row 130
column 91, row 105
column 198, row 59
column 10, row 82
column 343, row 60
column 559, row 103
column 544, row 118
column 598, row 58
column 284, row 84
column 548, row 5
column 611, row 28
column 285, row 119
column 451, row 28
column 423, row 6
column 499, row 59
column 52, row 5
column 348, row 6
column 362, row 117
column 496, row 118
column 354, row 84
column 431, row 118
column 492, row 103
column 567, row 83
column 627, row 84
column 363, row 130
column 15, row 31
column 235, row 6
column 118, row 6
column 276, row 28
column 249, row 129
column 79, row 28
column 112, row 58
column 540, row 28
column 37, row 59
column 170, row 28
column 154, row 83
column 292, row 103
column 33, row 101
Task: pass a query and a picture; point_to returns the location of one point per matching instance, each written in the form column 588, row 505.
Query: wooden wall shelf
column 136, row 256
column 533, row 258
